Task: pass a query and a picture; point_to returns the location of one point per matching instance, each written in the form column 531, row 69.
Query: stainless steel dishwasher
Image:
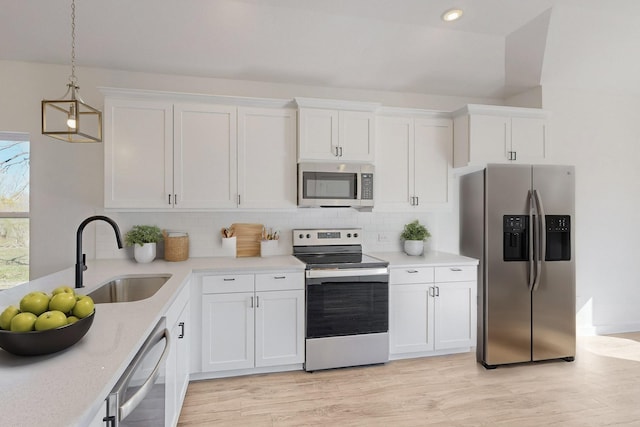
column 138, row 398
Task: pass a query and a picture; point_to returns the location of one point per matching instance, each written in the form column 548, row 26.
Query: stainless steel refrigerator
column 519, row 221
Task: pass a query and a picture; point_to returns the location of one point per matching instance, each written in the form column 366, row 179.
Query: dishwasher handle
column 127, row 407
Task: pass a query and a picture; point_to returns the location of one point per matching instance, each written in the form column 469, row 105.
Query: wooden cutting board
column 248, row 238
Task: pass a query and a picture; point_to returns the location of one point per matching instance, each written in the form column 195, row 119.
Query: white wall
column 599, row 133
column 67, row 179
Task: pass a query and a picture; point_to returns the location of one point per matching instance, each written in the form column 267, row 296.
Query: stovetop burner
column 332, row 248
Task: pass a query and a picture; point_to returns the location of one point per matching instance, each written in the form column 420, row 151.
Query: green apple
column 63, row 289
column 84, row 307
column 7, row 315
column 72, row 319
column 50, row 320
column 63, row 302
column 23, row 322
column 35, row 302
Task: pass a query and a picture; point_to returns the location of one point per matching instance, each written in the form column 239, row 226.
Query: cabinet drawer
column 411, row 275
column 456, row 274
column 279, row 281
column 227, row 283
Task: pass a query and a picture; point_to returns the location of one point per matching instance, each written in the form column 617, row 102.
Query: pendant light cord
column 72, row 78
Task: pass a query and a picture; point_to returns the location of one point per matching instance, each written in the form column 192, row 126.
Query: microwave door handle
column 127, row 407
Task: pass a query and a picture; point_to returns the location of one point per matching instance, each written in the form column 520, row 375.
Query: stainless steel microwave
column 335, row 185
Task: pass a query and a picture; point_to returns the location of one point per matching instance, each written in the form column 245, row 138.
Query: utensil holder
column 176, row 246
column 229, row 246
column 268, row 248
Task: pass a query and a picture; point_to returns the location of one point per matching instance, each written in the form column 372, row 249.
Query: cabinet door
column 432, row 162
column 266, row 158
column 355, row 136
column 138, row 151
column 318, row 134
column 227, row 331
column 394, row 170
column 205, row 156
column 454, row 315
column 489, row 138
column 410, row 318
column 177, row 374
column 279, row 328
column 528, row 139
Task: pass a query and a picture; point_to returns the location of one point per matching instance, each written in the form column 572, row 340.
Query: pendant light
column 70, row 119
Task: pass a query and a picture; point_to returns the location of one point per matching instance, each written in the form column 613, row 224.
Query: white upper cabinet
column 335, row 130
column 205, row 156
column 198, row 155
column 266, row 158
column 138, row 153
column 493, row 134
column 413, row 162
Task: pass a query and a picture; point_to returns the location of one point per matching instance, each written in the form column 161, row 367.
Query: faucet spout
column 81, row 258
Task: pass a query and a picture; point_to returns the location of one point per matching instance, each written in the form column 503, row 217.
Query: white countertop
column 67, row 388
column 429, row 258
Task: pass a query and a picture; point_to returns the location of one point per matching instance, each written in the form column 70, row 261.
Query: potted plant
column 144, row 239
column 414, row 235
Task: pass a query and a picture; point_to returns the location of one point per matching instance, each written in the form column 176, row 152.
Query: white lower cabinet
column 432, row 310
column 252, row 321
column 177, row 371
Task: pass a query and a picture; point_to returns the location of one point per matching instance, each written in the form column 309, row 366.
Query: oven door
column 347, row 302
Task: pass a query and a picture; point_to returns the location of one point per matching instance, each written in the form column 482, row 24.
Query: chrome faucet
column 81, row 258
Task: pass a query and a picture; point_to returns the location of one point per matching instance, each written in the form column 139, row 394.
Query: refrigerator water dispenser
column 515, row 229
column 558, row 246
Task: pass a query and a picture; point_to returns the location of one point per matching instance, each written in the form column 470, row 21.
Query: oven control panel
column 333, row 236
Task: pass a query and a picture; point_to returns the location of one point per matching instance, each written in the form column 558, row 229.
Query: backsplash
column 381, row 231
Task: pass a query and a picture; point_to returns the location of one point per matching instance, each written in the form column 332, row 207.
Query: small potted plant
column 414, row 235
column 144, row 239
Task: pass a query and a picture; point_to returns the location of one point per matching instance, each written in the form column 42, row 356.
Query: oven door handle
column 345, row 272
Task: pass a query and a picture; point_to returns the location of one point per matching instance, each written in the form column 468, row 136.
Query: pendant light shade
column 71, row 119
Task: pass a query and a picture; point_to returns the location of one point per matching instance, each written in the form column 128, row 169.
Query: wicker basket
column 176, row 246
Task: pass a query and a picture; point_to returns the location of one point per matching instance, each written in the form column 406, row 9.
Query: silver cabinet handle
column 437, row 291
column 455, row 269
column 337, row 152
column 412, row 271
column 431, row 291
column 169, row 198
column 279, row 277
column 228, row 279
column 238, row 199
column 251, row 303
column 340, row 151
column 175, row 199
column 257, row 302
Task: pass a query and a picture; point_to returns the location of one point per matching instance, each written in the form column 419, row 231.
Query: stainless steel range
column 347, row 299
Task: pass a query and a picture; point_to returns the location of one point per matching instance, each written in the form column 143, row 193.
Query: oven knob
column 355, row 234
column 300, row 236
column 308, row 236
column 348, row 234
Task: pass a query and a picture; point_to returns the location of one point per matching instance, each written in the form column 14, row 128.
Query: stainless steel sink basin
column 129, row 288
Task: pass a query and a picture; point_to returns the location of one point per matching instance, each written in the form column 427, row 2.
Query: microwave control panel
column 367, row 186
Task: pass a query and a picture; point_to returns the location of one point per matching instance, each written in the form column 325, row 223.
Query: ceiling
column 498, row 48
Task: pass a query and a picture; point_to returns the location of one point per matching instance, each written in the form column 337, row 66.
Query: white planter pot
column 145, row 253
column 414, row 247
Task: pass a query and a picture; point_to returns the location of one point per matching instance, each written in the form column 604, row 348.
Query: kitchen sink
column 129, row 288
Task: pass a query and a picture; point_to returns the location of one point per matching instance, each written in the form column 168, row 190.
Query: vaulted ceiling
column 498, row 48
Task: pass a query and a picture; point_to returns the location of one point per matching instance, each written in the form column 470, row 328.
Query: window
column 14, row 209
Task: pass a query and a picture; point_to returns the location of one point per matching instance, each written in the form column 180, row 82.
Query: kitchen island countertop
column 68, row 388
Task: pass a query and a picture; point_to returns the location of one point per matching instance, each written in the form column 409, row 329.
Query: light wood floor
column 601, row 388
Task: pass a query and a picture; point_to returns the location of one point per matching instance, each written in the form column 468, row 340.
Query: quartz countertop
column 69, row 387
column 428, row 259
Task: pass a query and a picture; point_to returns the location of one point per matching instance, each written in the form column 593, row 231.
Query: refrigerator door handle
column 532, row 264
column 542, row 238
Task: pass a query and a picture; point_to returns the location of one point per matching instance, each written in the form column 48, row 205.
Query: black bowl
column 36, row 343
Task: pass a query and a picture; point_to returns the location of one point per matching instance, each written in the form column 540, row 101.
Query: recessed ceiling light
column 452, row 15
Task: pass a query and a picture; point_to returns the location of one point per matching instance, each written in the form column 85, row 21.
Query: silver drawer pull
column 455, row 269
column 412, row 271
column 279, row 277
column 229, row 279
